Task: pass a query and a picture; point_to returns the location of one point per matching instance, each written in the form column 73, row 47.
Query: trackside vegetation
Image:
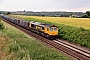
column 19, row 46
column 78, row 35
column 1, row 25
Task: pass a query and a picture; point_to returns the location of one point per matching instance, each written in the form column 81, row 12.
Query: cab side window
column 32, row 25
column 55, row 29
column 51, row 29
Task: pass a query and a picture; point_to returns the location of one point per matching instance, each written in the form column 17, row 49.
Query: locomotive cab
column 52, row 31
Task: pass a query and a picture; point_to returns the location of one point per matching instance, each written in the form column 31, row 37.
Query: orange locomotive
column 46, row 30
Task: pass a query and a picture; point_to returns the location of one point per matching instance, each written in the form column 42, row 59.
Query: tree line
column 56, row 14
column 87, row 15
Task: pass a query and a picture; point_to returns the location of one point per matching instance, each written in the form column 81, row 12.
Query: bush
column 1, row 25
column 8, row 13
column 74, row 34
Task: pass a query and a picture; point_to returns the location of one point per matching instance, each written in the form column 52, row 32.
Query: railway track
column 76, row 52
column 73, row 50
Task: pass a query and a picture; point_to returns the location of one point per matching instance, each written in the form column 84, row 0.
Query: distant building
column 73, row 15
column 20, row 12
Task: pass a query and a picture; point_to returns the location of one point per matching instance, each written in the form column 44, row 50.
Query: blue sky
column 45, row 5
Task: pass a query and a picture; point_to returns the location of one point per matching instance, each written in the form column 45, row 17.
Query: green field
column 16, row 45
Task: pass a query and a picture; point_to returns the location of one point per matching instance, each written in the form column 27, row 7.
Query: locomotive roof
column 49, row 25
column 43, row 24
column 37, row 23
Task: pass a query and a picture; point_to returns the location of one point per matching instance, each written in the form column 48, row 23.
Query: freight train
column 46, row 30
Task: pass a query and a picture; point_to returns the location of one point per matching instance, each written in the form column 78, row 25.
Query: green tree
column 84, row 16
column 88, row 13
column 8, row 13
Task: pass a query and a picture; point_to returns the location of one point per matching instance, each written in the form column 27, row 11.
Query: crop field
column 80, row 22
column 16, row 45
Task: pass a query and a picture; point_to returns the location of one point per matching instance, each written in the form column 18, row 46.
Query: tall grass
column 22, row 47
column 1, row 25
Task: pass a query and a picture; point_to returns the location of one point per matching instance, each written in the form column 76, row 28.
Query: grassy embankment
column 78, row 33
column 16, row 45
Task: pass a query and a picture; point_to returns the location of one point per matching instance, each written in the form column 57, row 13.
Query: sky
column 45, row 5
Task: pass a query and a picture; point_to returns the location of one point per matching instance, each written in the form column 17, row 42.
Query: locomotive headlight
column 50, row 34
